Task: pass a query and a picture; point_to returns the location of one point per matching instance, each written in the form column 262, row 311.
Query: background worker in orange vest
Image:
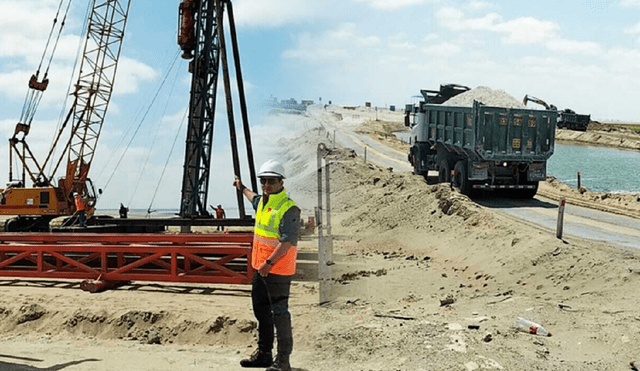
column 80, row 206
column 273, row 257
column 220, row 214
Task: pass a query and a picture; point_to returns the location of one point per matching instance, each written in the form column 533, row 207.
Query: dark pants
column 81, row 218
column 270, row 299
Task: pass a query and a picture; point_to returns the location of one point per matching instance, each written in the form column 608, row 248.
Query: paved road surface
column 580, row 222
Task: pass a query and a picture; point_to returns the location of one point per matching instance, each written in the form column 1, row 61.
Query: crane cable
column 34, row 94
column 79, row 56
column 146, row 161
column 139, row 111
column 166, row 164
column 139, row 125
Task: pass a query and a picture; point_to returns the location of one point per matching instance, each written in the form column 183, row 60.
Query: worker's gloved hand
column 237, row 182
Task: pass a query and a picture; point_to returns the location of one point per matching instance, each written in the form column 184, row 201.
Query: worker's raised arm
column 245, row 191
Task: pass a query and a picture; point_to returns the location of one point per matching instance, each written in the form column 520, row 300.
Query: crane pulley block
column 21, row 128
column 35, row 85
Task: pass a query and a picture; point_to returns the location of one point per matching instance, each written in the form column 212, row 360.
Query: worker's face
column 271, row 185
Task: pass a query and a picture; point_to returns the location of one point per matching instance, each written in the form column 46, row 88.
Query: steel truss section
column 197, row 258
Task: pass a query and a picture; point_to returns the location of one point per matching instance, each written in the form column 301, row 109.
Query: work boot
column 281, row 363
column 259, row 358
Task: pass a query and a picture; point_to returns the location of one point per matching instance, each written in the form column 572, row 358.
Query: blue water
column 602, row 169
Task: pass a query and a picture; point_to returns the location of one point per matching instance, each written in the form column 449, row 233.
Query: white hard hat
column 271, row 168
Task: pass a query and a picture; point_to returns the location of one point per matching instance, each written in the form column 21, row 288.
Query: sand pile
column 487, row 96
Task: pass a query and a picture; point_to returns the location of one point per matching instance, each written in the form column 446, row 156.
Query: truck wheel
column 444, row 172
column 460, row 178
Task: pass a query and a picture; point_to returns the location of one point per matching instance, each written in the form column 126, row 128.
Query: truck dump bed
column 489, row 133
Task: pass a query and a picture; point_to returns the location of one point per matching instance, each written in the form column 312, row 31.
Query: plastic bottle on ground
column 531, row 327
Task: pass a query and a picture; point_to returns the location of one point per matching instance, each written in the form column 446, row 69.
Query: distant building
column 287, row 104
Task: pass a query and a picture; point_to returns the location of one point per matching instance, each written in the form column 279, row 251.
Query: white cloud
column 528, row 30
column 131, row 73
column 404, row 45
column 430, row 37
column 622, row 61
column 443, row 50
column 634, row 30
column 315, row 50
column 524, row 30
column 454, row 19
column 630, row 3
column 574, row 47
column 392, row 4
column 275, row 13
column 479, row 5
column 337, row 45
column 347, row 32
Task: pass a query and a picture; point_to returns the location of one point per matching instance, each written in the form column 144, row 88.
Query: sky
column 583, row 55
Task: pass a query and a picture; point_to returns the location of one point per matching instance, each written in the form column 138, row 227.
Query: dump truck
column 569, row 119
column 483, row 147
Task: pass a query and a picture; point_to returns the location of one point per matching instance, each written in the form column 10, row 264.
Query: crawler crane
column 33, row 207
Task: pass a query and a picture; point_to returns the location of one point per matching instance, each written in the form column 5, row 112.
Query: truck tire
column 461, row 179
column 444, row 172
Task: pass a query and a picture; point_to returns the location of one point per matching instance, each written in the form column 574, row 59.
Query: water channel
column 602, row 169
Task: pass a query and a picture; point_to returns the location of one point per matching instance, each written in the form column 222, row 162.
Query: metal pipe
column 227, row 88
column 243, row 102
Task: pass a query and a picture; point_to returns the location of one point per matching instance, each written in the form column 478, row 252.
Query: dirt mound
column 382, row 200
column 146, row 327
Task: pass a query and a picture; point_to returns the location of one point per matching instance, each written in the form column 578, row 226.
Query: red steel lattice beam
column 193, row 258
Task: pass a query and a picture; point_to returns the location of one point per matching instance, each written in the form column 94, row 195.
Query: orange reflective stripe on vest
column 263, row 248
column 267, row 234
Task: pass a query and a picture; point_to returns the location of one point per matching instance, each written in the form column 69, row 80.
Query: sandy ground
column 424, row 279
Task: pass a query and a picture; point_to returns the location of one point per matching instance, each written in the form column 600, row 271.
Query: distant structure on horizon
column 287, row 104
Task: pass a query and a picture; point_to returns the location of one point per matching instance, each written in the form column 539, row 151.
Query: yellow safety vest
column 267, row 236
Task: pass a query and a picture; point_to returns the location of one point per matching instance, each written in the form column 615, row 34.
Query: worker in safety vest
column 80, row 208
column 273, row 257
column 220, row 214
